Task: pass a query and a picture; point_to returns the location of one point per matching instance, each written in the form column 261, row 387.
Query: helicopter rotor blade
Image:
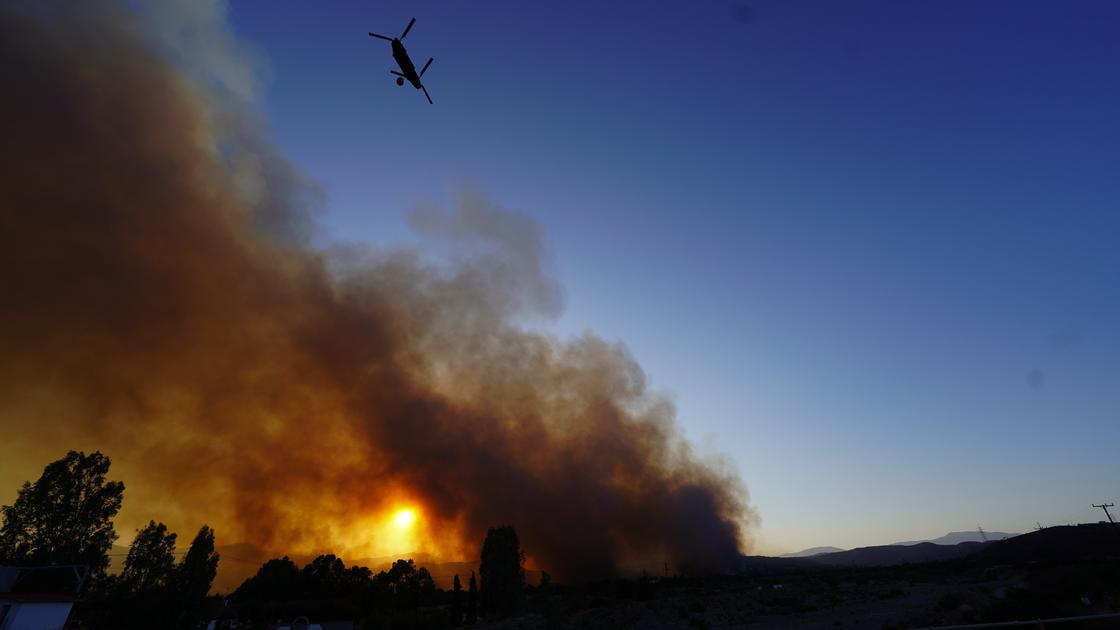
column 426, row 94
column 408, row 28
column 430, row 60
column 397, row 73
column 381, row 37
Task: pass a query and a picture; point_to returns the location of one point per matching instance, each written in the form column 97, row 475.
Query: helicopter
column 408, row 71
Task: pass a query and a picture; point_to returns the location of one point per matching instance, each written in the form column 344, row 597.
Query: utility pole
column 1105, row 507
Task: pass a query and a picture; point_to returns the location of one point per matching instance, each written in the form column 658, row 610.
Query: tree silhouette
column 142, row 592
column 151, row 559
column 355, row 580
column 456, row 601
column 277, row 580
column 400, row 574
column 472, row 601
column 324, row 576
column 408, row 584
column 194, row 575
column 500, row 573
column 65, row 517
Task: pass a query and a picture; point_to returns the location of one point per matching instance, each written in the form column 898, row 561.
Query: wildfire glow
column 404, row 518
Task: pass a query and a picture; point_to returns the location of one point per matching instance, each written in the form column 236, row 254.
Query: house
column 35, row 611
column 38, row 598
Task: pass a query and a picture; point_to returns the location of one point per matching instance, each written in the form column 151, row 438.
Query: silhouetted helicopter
column 408, row 71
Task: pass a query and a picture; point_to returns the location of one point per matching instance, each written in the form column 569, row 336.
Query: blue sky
column 871, row 249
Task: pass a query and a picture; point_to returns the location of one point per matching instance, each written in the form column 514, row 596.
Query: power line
column 1106, row 508
column 223, row 556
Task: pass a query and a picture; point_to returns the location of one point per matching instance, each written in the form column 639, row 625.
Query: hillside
column 1060, row 542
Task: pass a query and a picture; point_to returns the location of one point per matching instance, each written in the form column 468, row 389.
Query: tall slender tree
column 472, row 601
column 456, row 601
column 194, row 576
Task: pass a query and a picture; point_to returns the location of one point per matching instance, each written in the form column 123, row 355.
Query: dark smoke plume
column 161, row 303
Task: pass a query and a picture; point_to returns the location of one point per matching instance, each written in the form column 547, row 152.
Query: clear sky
column 871, row 249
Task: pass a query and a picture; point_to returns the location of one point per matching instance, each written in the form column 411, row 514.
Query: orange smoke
column 160, row 304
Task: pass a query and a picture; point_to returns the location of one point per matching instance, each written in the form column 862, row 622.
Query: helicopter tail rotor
column 408, row 28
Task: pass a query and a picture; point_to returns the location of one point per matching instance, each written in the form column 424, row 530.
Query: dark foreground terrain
column 1055, row 572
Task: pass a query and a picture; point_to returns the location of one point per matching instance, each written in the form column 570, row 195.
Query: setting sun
column 404, row 518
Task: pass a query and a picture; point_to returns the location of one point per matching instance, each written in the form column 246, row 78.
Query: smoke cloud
column 161, row 302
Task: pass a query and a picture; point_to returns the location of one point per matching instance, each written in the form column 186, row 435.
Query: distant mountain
column 383, row 563
column 811, row 551
column 887, row 555
column 956, row 538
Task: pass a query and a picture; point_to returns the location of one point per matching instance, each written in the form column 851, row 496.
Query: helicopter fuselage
column 402, row 59
column 400, row 55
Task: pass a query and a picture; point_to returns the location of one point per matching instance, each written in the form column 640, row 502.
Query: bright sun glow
column 404, row 518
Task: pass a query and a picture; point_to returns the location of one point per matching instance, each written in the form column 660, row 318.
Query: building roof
column 39, row 598
column 62, row 579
